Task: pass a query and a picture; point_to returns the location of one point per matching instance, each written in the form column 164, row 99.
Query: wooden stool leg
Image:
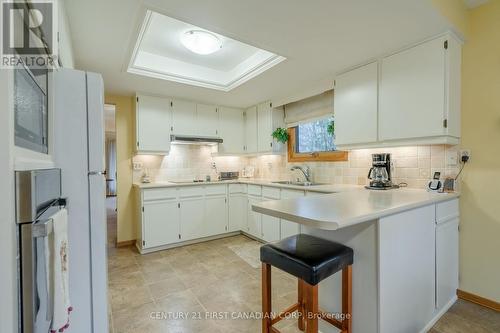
column 266, row 298
column 311, row 308
column 301, row 310
column 347, row 299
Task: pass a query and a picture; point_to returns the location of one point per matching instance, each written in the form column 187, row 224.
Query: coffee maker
column 380, row 172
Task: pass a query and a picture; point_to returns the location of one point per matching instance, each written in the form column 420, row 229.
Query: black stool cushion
column 309, row 258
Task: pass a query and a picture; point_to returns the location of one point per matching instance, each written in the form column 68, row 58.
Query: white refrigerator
column 78, row 127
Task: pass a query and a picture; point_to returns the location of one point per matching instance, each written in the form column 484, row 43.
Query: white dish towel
column 57, row 253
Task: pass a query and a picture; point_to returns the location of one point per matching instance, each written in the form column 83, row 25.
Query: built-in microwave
column 30, row 108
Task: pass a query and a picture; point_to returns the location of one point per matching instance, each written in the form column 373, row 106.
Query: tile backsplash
column 413, row 165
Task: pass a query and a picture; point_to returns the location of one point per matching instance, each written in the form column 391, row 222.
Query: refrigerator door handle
column 93, row 173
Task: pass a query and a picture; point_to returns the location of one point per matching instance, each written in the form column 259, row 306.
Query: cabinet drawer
column 159, row 194
column 215, row 190
column 447, row 210
column 237, row 188
column 191, row 191
column 271, row 192
column 255, row 190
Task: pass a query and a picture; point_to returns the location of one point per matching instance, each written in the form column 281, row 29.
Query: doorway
column 111, row 178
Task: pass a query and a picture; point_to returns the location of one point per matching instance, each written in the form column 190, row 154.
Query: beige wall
column 125, row 136
column 479, row 204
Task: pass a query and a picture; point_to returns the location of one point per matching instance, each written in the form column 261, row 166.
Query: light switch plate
column 452, row 160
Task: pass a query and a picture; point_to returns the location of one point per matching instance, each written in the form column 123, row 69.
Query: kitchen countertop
column 347, row 208
column 328, row 188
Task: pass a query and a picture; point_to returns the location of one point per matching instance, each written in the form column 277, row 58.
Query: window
column 314, row 137
column 311, row 141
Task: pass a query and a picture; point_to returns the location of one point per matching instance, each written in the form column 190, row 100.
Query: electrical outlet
column 465, row 154
column 137, row 166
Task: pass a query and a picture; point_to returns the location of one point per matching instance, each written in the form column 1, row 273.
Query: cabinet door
column 355, row 105
column 161, row 223
column 231, row 130
column 215, row 215
column 254, row 219
column 446, row 261
column 192, row 218
column 153, row 118
column 289, row 228
column 237, row 212
column 207, row 120
column 264, row 127
column 407, row 270
column 270, row 228
column 183, row 117
column 251, row 130
column 412, row 92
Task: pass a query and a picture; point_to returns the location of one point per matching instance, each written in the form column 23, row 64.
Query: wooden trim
column 330, row 156
column 125, row 243
column 487, row 303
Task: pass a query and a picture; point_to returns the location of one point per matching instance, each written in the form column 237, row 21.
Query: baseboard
column 487, row 303
column 125, row 243
column 190, row 242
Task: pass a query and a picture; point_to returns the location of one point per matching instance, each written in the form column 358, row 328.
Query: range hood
column 194, row 140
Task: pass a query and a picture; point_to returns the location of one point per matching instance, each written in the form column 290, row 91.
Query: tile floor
column 220, row 276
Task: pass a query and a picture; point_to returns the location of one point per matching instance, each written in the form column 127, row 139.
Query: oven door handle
column 41, row 230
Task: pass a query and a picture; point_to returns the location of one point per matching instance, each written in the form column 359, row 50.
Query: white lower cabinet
column 237, row 212
column 270, row 228
column 161, row 223
column 446, row 261
column 215, row 215
column 192, row 211
column 289, row 228
column 254, row 219
column 407, row 270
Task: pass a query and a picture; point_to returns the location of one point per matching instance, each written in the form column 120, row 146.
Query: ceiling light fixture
column 201, row 42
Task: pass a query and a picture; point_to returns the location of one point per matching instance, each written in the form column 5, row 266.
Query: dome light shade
column 201, row 42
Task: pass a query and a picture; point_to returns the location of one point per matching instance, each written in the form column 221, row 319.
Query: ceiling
column 319, row 38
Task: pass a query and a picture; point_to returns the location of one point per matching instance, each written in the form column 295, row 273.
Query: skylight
column 173, row 50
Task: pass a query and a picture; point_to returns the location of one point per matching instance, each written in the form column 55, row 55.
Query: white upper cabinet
column 153, row 121
column 420, row 92
column 355, row 105
column 231, row 130
column 251, row 130
column 264, row 127
column 268, row 119
column 183, row 117
column 207, row 120
column 410, row 97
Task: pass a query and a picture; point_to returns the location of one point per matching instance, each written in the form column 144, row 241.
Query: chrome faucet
column 305, row 170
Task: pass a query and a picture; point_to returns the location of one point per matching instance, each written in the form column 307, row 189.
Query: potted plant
column 331, row 128
column 281, row 135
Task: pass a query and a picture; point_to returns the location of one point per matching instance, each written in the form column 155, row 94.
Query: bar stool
column 311, row 260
